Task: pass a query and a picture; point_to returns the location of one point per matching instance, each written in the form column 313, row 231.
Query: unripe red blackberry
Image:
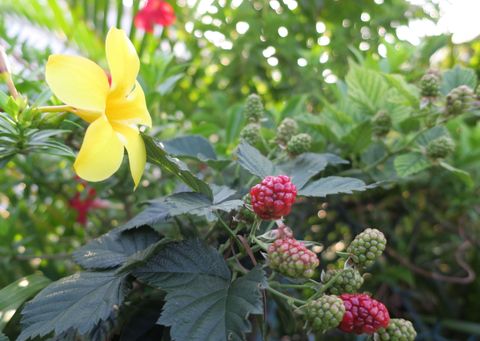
column 363, row 314
column 367, row 247
column 251, row 133
column 291, row 258
column 459, row 100
column 254, row 108
column 286, row 129
column 299, row 144
column 324, row 313
column 347, row 282
column 273, row 197
column 381, row 124
column 430, row 84
column 397, row 330
column 440, row 147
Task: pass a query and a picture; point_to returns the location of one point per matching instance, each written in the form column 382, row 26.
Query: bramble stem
column 289, row 299
column 324, row 287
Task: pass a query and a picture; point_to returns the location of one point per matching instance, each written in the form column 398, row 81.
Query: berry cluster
column 367, row 247
column 363, row 314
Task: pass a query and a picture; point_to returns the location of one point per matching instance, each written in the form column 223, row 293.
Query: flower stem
column 324, row 287
column 56, row 108
column 289, row 299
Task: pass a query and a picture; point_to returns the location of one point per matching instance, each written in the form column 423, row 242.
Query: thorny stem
column 324, row 287
column 229, row 231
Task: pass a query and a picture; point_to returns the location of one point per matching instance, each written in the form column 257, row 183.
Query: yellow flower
column 113, row 111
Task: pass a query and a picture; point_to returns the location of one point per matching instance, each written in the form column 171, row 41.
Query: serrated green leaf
column 164, row 209
column 410, row 163
column 79, row 301
column 457, row 76
column 432, row 134
column 409, row 92
column 254, row 162
column 304, row 167
column 15, row 294
column 366, row 87
column 202, row 302
column 333, row 185
column 461, row 174
column 114, row 248
column 359, row 138
column 156, row 154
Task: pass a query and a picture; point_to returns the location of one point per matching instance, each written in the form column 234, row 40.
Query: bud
column 286, row 130
column 458, row 100
column 254, row 108
column 324, row 313
column 440, row 147
column 398, row 329
column 347, row 282
column 251, row 133
column 299, row 144
column 367, row 247
column 430, row 84
column 381, row 124
column 4, row 65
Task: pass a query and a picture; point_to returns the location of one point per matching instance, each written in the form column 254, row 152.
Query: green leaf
column 409, row 92
column 333, row 185
column 157, row 155
column 254, row 162
column 202, row 302
column 304, row 167
column 79, row 301
column 193, row 146
column 164, row 209
column 461, row 174
column 114, row 248
column 432, row 134
column 15, row 294
column 410, row 163
column 457, row 76
column 359, row 138
column 366, row 87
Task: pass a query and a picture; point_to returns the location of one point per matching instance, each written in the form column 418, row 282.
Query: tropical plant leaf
column 202, row 303
column 254, row 162
column 79, row 302
column 157, row 155
column 114, row 248
column 15, row 294
column 458, row 76
column 410, row 163
column 333, row 185
column 304, row 167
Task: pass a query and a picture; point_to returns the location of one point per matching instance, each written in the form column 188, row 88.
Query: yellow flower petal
column 101, row 153
column 137, row 155
column 78, row 82
column 131, row 109
column 122, row 60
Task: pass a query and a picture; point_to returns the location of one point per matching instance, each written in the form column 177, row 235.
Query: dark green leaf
column 254, row 162
column 202, row 302
column 333, row 185
column 304, row 167
column 79, row 301
column 157, row 155
column 194, row 146
column 458, row 76
column 114, row 248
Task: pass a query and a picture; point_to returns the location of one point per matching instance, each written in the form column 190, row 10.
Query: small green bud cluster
column 324, row 313
column 458, row 100
column 430, row 84
column 348, row 281
column 381, row 124
column 440, row 147
column 367, row 247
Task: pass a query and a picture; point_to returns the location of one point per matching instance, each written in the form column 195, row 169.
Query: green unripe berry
column 430, row 84
column 324, row 313
column 251, row 133
column 381, row 124
column 367, row 247
column 254, row 108
column 286, row 129
column 299, row 144
column 459, row 100
column 397, row 330
column 440, row 147
column 347, row 282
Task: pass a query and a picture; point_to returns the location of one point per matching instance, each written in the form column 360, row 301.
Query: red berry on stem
column 363, row 314
column 273, row 197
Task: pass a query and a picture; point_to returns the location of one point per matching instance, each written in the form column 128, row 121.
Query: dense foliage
column 318, row 103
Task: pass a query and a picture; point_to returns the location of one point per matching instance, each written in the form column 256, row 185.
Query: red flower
column 155, row 12
column 83, row 201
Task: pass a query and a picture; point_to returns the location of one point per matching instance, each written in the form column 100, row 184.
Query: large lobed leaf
column 458, row 76
column 333, row 185
column 410, row 163
column 254, row 162
column 201, row 302
column 79, row 302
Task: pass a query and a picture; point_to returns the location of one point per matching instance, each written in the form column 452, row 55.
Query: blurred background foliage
column 299, row 56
